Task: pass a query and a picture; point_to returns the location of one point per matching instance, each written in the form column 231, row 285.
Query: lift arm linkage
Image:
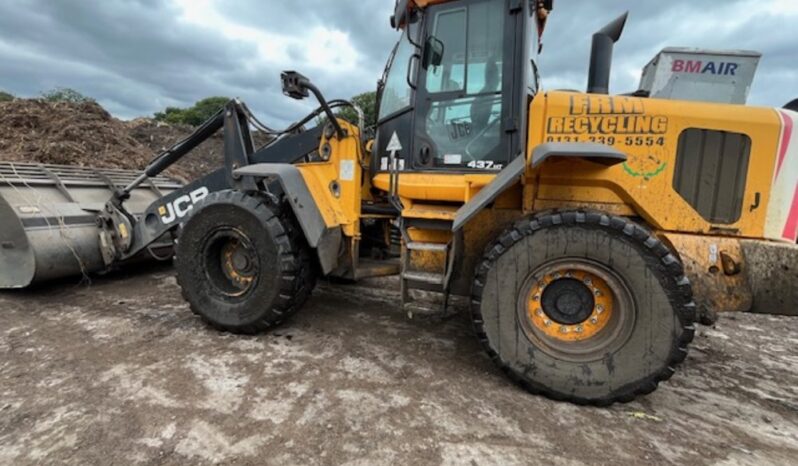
column 123, row 235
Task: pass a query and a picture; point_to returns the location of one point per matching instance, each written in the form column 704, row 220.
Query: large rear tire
column 583, row 307
column 242, row 264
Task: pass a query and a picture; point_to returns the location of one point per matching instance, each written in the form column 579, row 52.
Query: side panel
column 782, row 217
column 648, row 131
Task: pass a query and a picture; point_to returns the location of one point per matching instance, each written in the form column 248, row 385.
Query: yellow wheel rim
column 543, row 314
column 238, row 266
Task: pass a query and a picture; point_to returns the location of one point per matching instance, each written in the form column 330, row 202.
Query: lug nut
column 547, row 323
column 588, row 281
column 594, row 320
column 539, row 312
column 579, row 329
column 597, row 292
column 599, row 309
column 564, row 329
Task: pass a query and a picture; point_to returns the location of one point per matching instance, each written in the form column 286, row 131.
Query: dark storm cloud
column 137, row 56
column 652, row 26
column 367, row 22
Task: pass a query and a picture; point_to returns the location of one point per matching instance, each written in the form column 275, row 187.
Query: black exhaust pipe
column 598, row 81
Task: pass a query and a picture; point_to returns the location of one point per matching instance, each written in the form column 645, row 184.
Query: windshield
column 535, row 48
column 397, row 94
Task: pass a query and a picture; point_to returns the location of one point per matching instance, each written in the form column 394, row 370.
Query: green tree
column 368, row 103
column 65, row 94
column 195, row 115
column 6, row 97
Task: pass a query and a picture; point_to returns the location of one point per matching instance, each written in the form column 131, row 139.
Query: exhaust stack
column 598, row 81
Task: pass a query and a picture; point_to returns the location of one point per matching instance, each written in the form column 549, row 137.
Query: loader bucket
column 48, row 226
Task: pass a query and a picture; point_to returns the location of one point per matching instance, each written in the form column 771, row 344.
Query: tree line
column 203, row 109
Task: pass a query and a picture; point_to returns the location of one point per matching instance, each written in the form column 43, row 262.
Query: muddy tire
column 241, row 263
column 583, row 307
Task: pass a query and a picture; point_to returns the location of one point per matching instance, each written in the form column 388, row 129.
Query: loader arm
column 124, row 235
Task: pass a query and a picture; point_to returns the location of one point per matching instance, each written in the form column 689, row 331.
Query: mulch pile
column 64, row 133
column 84, row 134
column 157, row 137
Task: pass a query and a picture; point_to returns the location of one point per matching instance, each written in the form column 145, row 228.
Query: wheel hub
column 567, row 301
column 231, row 262
column 237, row 263
column 569, row 304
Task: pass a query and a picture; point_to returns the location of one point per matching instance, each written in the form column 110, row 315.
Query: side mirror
column 295, row 85
column 433, row 52
column 541, row 12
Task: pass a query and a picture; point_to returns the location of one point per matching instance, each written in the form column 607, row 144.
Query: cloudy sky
column 138, row 56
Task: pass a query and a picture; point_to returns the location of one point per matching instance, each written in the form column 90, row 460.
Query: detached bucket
column 48, row 226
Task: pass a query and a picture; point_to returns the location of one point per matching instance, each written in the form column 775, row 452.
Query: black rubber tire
column 664, row 310
column 308, row 265
column 286, row 274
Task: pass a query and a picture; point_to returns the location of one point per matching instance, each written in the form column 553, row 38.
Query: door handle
column 410, row 82
column 424, row 154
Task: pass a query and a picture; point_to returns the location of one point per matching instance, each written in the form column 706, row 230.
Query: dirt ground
column 120, row 372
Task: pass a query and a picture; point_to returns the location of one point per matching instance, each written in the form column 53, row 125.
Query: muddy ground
column 121, row 373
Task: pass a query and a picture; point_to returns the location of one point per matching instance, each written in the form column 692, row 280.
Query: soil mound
column 65, row 133
column 84, row 134
column 157, row 137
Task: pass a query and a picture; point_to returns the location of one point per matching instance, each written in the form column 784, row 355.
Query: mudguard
column 599, row 153
column 324, row 239
column 506, row 178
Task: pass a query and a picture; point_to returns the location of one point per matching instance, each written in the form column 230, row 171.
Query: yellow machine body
column 590, row 232
column 648, row 132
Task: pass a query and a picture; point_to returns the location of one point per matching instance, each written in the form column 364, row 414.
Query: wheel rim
column 576, row 309
column 230, row 262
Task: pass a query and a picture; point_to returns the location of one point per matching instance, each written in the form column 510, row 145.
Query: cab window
column 462, row 124
column 396, row 94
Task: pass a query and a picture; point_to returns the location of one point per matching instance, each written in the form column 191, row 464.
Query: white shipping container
column 701, row 75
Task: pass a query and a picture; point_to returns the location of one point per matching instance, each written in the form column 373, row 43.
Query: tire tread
column 677, row 287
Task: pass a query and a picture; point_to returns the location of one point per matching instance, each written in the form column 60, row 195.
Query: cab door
column 466, row 112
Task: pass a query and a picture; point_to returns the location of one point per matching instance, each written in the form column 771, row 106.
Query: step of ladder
column 424, row 277
column 424, row 280
column 418, row 246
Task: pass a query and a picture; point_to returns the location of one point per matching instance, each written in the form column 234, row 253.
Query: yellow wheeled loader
column 588, row 231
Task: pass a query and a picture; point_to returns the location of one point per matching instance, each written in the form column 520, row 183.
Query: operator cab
column 457, row 86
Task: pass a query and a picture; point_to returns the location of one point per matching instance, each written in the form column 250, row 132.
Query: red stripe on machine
column 791, row 229
column 785, row 140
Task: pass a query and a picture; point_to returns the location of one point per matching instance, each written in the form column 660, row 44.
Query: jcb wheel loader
column 588, row 231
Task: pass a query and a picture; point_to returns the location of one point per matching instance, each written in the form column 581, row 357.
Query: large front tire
column 583, row 307
column 241, row 265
